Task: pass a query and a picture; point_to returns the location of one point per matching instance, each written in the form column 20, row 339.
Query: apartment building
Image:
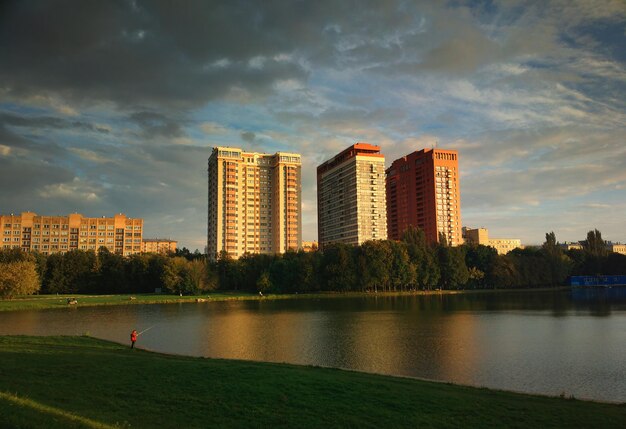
column 254, row 202
column 423, row 190
column 351, row 196
column 58, row 234
column 481, row 236
column 158, row 245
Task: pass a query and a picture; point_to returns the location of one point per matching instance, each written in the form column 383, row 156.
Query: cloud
column 155, row 124
column 140, row 53
column 213, row 128
column 248, row 136
column 74, row 190
column 113, row 106
column 47, row 122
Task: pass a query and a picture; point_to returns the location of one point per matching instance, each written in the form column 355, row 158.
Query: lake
column 550, row 342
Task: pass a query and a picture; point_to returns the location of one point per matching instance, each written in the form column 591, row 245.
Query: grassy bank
column 84, row 382
column 41, row 302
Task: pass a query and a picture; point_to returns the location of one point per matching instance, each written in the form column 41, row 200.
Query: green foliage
column 72, row 272
column 594, row 245
column 339, row 268
column 480, row 261
column 374, row 265
column 18, row 277
column 560, row 265
column 381, row 265
column 187, row 276
column 264, row 284
column 422, row 256
column 454, row 273
column 595, row 253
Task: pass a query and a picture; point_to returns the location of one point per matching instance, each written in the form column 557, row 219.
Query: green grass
column 42, row 302
column 85, row 382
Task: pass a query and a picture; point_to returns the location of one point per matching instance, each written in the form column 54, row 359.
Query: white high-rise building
column 351, row 201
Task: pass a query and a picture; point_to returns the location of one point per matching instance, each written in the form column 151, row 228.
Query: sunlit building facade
column 59, row 234
column 158, row 245
column 254, row 202
column 309, row 246
column 351, row 196
column 423, row 190
column 476, row 236
column 617, row 248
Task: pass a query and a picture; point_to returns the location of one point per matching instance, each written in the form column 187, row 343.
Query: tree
column 264, row 284
column 403, row 271
column 198, row 272
column 137, row 269
column 595, row 251
column 504, row 272
column 594, row 245
column 374, row 264
column 338, row 268
column 111, row 272
column 422, row 257
column 18, row 278
column 454, row 273
column 480, row 260
column 229, row 272
column 176, row 277
column 560, row 265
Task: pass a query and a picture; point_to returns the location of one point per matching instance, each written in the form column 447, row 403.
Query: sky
column 114, row 106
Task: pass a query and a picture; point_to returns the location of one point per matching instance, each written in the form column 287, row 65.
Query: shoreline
column 45, row 302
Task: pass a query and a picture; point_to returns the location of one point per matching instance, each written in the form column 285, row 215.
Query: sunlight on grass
column 37, row 407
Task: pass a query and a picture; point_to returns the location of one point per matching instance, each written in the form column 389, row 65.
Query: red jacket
column 133, row 336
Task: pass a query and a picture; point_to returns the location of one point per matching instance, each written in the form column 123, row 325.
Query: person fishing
column 135, row 334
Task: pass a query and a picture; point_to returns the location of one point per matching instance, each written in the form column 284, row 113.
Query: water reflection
column 543, row 342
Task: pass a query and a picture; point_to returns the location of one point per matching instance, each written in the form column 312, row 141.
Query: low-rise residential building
column 481, row 236
column 158, row 245
column 617, row 248
column 29, row 231
column 575, row 245
column 309, row 246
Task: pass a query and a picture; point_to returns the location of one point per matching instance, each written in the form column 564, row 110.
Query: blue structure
column 597, row 281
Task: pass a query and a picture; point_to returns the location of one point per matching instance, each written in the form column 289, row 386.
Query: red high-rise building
column 423, row 191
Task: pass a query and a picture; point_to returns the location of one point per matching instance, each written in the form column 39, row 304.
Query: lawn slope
column 85, row 382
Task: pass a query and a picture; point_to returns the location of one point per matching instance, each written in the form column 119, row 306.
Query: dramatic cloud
column 114, row 106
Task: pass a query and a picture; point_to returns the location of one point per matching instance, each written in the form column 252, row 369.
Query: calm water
column 542, row 342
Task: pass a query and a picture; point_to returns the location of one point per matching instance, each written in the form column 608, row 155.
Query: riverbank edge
column 45, row 302
column 282, row 392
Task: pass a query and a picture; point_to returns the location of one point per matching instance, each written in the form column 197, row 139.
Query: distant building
column 254, row 202
column 617, row 248
column 158, row 245
column 573, row 245
column 59, row 234
column 423, row 190
column 351, row 196
column 481, row 236
column 309, row 246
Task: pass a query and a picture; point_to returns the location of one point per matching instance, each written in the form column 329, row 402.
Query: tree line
column 381, row 265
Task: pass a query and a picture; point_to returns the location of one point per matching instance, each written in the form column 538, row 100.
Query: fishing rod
column 147, row 329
